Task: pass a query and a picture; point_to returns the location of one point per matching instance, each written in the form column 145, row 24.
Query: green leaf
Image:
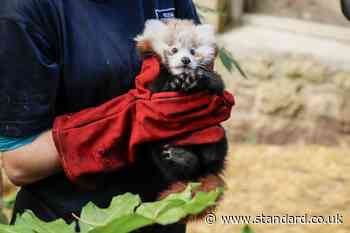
column 202, row 201
column 3, row 218
column 186, row 195
column 9, row 201
column 171, row 209
column 225, row 59
column 29, row 221
column 229, row 62
column 247, row 229
column 125, row 214
column 93, row 216
column 194, row 206
column 167, row 211
column 124, row 224
column 15, row 229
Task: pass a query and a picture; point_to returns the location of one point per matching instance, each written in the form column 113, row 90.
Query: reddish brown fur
column 144, row 47
column 174, row 188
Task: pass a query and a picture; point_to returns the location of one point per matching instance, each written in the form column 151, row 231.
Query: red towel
column 105, row 138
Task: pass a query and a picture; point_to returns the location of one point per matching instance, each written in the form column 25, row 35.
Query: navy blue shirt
column 60, row 56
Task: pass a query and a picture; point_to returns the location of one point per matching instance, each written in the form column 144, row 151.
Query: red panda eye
column 193, row 51
column 174, row 50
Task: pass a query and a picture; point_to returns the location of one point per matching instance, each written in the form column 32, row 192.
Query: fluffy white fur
column 176, row 39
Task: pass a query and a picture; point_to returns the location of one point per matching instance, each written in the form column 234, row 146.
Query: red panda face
column 180, row 44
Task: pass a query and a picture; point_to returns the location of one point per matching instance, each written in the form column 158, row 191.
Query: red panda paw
column 207, row 184
column 210, row 183
column 177, row 187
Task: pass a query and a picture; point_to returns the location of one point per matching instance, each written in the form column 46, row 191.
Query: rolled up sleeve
column 9, row 144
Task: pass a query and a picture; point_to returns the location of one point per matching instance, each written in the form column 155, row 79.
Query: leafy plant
column 9, row 201
column 203, row 10
column 247, row 229
column 3, row 218
column 125, row 214
column 229, row 62
column 225, row 56
column 7, row 204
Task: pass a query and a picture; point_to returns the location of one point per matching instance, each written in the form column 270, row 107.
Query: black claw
column 173, row 85
column 200, row 74
column 177, row 81
column 190, row 82
column 168, row 157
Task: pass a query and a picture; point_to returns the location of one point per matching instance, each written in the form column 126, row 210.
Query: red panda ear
column 144, row 48
column 212, row 63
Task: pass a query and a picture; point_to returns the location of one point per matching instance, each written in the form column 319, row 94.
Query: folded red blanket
column 105, row 138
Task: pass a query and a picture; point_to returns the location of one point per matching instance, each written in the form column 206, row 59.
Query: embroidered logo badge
column 165, row 14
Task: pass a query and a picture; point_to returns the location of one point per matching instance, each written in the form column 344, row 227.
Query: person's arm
column 32, row 162
column 29, row 77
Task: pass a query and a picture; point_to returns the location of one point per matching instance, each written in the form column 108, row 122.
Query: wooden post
column 221, row 12
column 224, row 14
column 237, row 9
column 249, row 5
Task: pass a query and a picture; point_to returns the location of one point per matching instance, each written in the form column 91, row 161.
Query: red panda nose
column 186, row 60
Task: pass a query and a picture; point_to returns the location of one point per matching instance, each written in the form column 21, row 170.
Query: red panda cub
column 186, row 52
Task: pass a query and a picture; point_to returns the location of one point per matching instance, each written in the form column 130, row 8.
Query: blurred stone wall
column 324, row 11
column 290, row 99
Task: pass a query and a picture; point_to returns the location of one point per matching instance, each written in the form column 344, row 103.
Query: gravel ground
column 292, row 180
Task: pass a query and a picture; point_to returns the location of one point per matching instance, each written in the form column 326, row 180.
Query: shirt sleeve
column 28, row 80
column 9, row 144
column 185, row 9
